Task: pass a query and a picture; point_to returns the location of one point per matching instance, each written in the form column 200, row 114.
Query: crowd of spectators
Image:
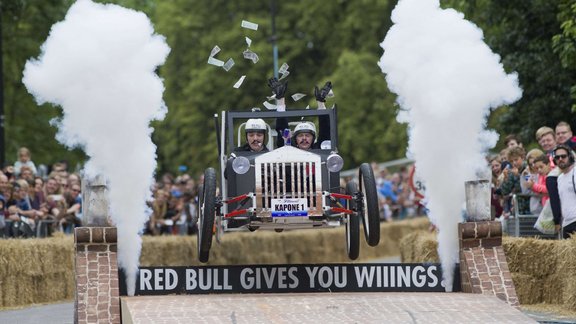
column 35, row 202
column 39, row 201
column 530, row 175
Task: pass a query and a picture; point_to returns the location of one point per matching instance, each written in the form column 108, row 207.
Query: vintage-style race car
column 284, row 188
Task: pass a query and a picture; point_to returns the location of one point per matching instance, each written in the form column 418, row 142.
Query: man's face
column 547, row 142
column 304, row 141
column 563, row 134
column 255, row 140
column 561, row 159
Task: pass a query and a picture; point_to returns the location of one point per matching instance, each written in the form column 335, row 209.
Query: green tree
column 25, row 26
column 522, row 32
column 312, row 37
column 564, row 44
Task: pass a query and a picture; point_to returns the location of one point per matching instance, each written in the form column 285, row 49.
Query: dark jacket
column 246, row 148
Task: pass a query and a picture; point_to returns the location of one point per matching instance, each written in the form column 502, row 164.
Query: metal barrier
column 522, row 225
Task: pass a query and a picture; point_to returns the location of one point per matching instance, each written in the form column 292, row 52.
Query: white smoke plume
column 98, row 64
column 446, row 79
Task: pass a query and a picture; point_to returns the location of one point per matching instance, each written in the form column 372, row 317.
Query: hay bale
column 567, row 267
column 531, row 256
column 418, row 247
column 553, row 288
column 36, row 270
column 528, row 288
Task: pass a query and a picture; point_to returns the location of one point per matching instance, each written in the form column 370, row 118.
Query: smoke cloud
column 446, row 79
column 98, row 64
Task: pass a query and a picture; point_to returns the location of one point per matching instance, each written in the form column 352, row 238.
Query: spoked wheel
column 369, row 209
column 352, row 225
column 206, row 211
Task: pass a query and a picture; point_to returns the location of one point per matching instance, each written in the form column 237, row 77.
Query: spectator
column 504, row 158
column 564, row 135
column 21, row 201
column 69, row 218
column 26, row 173
column 512, row 141
column 157, row 222
column 59, row 169
column 530, row 174
column 24, row 159
column 20, row 226
column 564, row 158
column 497, row 177
column 511, row 182
column 9, row 172
column 546, row 139
column 5, row 189
column 542, row 166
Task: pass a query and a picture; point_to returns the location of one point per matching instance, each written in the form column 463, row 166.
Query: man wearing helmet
column 304, row 134
column 255, row 136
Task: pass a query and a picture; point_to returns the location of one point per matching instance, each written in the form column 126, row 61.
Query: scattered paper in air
column 215, row 51
column 283, row 70
column 248, row 41
column 228, row 65
column 249, row 25
column 269, row 106
column 330, row 94
column 214, row 61
column 308, row 107
column 298, row 96
column 239, row 82
column 272, row 97
column 249, row 55
column 285, row 74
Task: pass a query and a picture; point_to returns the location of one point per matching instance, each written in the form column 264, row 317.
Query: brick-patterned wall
column 483, row 265
column 97, row 295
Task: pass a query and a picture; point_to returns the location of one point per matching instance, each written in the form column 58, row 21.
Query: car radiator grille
column 276, row 180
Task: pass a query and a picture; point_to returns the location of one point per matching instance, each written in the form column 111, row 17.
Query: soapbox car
column 284, row 188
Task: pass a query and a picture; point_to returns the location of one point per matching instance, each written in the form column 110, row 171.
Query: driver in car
column 305, row 132
column 255, row 136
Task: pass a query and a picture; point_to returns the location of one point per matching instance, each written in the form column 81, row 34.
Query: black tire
column 206, row 212
column 369, row 210
column 352, row 225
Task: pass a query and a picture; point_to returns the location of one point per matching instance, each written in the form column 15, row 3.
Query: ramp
column 321, row 308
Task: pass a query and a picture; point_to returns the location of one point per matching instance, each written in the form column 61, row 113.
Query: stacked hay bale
column 267, row 247
column 36, row 271
column 543, row 271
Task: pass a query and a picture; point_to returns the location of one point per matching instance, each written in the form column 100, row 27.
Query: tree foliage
column 321, row 41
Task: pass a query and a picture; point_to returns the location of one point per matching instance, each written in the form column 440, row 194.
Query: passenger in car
column 304, row 135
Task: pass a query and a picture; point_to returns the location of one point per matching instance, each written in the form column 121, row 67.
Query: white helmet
column 255, row 125
column 305, row 127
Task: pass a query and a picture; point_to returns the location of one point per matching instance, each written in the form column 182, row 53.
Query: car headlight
column 334, row 162
column 241, row 165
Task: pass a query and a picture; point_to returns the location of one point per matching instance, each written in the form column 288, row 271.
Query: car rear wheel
column 369, row 211
column 352, row 225
column 206, row 212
